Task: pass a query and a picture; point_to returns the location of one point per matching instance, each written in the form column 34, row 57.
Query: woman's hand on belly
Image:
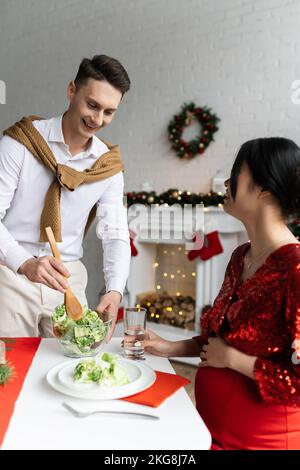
column 217, row 353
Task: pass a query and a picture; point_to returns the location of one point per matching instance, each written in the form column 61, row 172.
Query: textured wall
column 238, row 56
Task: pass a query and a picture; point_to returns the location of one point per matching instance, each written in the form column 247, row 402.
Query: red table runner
column 20, row 351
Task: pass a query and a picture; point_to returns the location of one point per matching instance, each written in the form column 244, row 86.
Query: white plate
column 65, row 376
column 143, row 378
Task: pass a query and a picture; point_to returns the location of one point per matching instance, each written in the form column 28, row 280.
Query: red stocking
column 212, row 246
column 134, row 251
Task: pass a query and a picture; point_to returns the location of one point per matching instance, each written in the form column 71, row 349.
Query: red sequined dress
column 261, row 317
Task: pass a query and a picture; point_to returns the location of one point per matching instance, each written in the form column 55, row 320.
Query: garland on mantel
column 174, row 196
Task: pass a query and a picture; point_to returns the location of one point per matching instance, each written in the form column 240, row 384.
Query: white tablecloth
column 40, row 422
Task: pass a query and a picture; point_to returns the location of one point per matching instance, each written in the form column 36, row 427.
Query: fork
column 84, row 414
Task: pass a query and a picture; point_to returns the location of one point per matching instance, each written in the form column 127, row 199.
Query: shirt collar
column 95, row 149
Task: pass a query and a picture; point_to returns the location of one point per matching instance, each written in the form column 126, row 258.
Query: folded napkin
column 164, row 386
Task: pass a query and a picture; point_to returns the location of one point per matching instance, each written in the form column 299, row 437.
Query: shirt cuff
column 117, row 286
column 16, row 256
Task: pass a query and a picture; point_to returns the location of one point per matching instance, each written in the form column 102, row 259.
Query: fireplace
column 161, row 268
column 173, row 300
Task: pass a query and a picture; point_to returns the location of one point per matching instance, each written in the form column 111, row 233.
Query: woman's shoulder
column 286, row 257
column 239, row 251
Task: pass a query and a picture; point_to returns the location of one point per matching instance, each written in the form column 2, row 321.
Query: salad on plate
column 105, row 371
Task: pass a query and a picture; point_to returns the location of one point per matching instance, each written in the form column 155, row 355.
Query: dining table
column 40, row 421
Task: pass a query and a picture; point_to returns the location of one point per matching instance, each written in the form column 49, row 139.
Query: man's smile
column 90, row 127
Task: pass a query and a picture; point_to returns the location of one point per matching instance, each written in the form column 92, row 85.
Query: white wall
column 238, row 56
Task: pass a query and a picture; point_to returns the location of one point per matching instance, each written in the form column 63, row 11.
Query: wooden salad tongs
column 73, row 306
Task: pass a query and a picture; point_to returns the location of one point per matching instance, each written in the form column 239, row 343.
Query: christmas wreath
column 188, row 114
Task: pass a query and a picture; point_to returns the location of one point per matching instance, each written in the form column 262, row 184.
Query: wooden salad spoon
column 73, row 306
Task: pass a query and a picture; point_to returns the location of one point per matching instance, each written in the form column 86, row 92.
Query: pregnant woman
column 248, row 382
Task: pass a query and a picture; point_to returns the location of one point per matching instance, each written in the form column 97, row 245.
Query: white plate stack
column 60, row 378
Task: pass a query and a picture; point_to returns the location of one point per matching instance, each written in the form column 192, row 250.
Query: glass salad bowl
column 81, row 338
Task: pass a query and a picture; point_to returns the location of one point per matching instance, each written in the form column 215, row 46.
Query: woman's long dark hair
column 274, row 163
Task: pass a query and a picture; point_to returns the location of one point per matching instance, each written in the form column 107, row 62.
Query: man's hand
column 46, row 270
column 110, row 303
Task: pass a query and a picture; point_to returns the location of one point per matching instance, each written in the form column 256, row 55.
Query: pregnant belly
column 238, row 418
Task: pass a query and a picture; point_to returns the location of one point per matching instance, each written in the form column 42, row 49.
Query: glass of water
column 134, row 331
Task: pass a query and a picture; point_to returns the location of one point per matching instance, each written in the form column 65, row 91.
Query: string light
column 157, row 316
column 169, row 309
column 148, row 304
column 156, row 264
column 169, row 197
column 158, row 287
column 172, row 276
column 165, row 252
column 180, row 313
column 180, row 248
column 137, row 306
column 152, row 315
column 178, row 294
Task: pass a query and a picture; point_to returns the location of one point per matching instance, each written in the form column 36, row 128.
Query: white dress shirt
column 24, row 182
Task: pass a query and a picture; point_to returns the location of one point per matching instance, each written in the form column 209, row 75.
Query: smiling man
column 56, row 172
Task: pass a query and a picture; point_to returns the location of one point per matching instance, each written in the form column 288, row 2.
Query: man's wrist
column 118, row 294
column 23, row 265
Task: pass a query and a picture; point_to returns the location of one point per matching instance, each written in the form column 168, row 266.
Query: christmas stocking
column 211, row 247
column 132, row 235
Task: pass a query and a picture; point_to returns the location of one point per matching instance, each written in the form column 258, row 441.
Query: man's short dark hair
column 103, row 67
